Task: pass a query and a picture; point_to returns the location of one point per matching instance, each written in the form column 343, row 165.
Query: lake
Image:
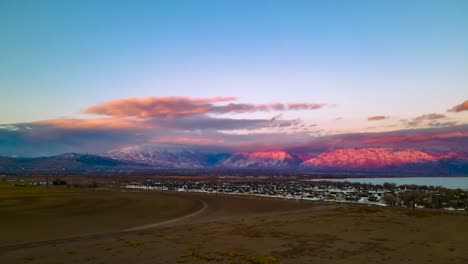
column 448, row 182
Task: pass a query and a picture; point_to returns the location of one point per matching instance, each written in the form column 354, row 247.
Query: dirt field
column 38, row 213
column 232, row 229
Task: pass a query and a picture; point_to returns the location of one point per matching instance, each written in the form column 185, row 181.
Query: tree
column 389, row 199
column 390, row 186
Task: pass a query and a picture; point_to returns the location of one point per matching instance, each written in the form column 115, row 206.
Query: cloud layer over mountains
column 221, row 123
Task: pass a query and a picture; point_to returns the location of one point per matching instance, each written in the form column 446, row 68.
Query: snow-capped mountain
column 163, row 156
column 262, row 159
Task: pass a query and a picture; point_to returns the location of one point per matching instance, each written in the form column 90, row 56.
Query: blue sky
column 400, row 59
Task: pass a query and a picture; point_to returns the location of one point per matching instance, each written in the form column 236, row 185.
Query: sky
column 91, row 76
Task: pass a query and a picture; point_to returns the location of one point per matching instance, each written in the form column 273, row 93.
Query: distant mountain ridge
column 155, row 157
column 64, row 162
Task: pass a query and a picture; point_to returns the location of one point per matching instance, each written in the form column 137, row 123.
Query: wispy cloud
column 427, row 120
column 376, row 118
column 432, row 116
column 442, row 124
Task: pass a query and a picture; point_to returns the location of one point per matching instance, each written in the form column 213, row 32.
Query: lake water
column 447, row 182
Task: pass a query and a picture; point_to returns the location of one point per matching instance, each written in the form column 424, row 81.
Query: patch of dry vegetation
column 49, row 213
column 231, row 231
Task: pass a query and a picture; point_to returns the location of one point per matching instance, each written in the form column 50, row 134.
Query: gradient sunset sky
column 91, row 76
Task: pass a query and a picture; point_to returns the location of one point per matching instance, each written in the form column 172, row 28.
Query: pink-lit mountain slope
column 368, row 158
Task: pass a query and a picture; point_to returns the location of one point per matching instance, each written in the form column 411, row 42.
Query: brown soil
column 234, row 229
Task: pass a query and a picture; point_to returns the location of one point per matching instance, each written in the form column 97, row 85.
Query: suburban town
column 388, row 194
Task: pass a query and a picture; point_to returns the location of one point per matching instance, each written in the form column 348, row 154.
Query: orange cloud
column 95, row 123
column 376, row 118
column 154, row 106
column 461, row 107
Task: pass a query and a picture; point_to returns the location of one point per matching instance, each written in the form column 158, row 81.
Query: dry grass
column 38, row 213
column 243, row 230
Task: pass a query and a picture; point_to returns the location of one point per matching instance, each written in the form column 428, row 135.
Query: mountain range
column 157, row 157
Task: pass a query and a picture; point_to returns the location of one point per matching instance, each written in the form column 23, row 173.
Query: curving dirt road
column 151, row 226
column 215, row 207
column 106, row 234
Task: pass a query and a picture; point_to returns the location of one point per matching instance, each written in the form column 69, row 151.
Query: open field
column 232, row 229
column 40, row 213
